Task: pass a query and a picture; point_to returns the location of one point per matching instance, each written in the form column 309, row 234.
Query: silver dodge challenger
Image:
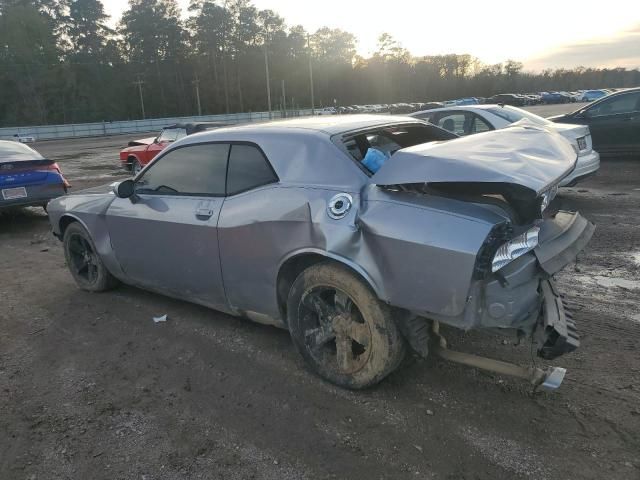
column 290, row 223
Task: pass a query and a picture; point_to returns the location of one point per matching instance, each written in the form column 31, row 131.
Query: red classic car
column 140, row 152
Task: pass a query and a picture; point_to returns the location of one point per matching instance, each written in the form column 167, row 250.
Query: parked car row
column 514, row 99
column 393, row 108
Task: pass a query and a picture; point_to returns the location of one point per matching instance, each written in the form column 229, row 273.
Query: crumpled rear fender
column 423, row 258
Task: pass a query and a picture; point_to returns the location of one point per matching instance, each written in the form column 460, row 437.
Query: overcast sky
column 544, row 33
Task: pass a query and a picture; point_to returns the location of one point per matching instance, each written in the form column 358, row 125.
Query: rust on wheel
column 335, row 332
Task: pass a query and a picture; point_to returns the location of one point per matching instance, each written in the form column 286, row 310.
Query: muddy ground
column 92, row 388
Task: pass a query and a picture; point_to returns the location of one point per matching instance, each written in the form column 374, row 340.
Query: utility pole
column 139, row 82
column 284, row 101
column 313, row 112
column 196, row 82
column 266, row 69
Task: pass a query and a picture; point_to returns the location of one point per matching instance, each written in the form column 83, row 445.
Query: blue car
column 554, row 97
column 591, row 95
column 467, row 101
column 27, row 178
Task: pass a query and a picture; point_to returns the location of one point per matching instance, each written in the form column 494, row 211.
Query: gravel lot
column 92, row 388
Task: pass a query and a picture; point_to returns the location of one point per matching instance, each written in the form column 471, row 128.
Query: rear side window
column 248, row 168
column 453, row 122
column 390, row 139
column 192, row 170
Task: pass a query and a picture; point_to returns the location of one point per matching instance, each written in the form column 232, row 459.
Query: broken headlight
column 514, row 248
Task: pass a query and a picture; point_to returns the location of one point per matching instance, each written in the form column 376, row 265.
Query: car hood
column 97, row 190
column 142, row 141
column 523, row 154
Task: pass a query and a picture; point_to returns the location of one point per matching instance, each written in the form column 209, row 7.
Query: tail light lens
column 515, row 248
column 55, row 168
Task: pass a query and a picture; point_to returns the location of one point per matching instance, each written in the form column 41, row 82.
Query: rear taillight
column 499, row 234
column 55, row 168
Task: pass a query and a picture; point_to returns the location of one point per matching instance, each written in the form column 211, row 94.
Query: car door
column 152, row 150
column 615, row 123
column 250, row 232
column 164, row 237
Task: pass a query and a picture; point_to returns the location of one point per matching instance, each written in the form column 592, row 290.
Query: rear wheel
column 83, row 261
column 341, row 329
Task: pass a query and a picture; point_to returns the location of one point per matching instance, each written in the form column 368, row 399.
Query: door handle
column 204, row 212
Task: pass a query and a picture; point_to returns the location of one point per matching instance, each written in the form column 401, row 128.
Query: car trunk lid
column 525, row 155
column 579, row 135
column 23, row 172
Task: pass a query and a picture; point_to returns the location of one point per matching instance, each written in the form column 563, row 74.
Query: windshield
column 514, row 114
column 172, row 134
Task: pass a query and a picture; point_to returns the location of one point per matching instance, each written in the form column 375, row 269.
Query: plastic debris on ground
column 163, row 318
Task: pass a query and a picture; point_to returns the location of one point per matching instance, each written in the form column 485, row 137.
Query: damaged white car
column 285, row 224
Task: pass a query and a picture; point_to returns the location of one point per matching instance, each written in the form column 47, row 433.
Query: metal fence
column 49, row 132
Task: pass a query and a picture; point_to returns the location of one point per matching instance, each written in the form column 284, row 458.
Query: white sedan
column 470, row 119
column 326, row 111
column 22, row 138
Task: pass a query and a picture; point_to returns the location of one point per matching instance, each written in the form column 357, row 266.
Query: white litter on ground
column 163, row 318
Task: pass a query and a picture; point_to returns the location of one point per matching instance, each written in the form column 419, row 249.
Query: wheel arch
column 295, row 263
column 66, row 220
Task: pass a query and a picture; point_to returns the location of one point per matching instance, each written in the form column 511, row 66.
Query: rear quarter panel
column 423, row 256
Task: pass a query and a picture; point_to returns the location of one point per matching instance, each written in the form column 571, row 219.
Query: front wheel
column 135, row 166
column 83, row 261
column 344, row 333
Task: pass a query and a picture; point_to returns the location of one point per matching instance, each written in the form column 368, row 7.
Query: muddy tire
column 341, row 329
column 83, row 261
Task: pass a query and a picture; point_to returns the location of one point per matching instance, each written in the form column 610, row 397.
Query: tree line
column 61, row 62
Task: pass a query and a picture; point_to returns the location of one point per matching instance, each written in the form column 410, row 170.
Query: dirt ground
column 92, row 388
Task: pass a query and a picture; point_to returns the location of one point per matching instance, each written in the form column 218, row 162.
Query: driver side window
column 620, row 104
column 195, row 170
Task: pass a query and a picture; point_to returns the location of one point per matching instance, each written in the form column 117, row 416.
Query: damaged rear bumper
column 561, row 238
column 522, row 297
column 556, row 333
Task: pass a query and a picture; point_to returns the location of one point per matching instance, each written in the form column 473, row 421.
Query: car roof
column 330, row 125
column 301, row 150
column 192, row 127
column 484, row 106
column 11, row 150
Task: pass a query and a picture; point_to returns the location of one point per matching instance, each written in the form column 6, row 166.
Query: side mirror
column 125, row 189
column 155, row 140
